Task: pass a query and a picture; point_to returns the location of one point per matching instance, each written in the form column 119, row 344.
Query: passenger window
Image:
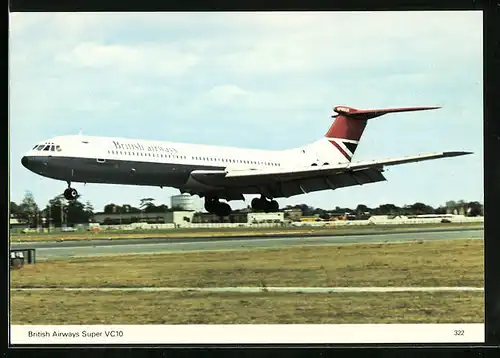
column 47, row 148
column 52, row 148
column 36, row 146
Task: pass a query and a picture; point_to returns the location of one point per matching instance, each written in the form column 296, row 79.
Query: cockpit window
column 48, row 147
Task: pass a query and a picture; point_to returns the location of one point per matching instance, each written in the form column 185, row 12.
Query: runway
column 87, row 248
column 258, row 289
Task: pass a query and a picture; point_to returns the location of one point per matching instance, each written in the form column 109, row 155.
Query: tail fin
column 349, row 124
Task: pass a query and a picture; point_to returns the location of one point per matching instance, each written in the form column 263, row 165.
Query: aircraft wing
column 286, row 182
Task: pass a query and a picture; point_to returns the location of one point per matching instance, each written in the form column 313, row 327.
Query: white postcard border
column 247, row 334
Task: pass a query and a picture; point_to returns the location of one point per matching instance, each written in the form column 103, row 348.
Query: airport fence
column 338, row 223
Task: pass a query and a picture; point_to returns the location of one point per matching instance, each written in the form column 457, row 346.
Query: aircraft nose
column 24, row 161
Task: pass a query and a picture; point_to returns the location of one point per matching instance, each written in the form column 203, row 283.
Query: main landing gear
column 70, row 193
column 262, row 204
column 214, row 206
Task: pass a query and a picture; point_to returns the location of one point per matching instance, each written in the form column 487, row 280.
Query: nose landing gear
column 70, row 193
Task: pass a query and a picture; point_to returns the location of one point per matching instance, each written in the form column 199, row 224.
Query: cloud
column 152, row 59
column 274, row 75
column 227, row 94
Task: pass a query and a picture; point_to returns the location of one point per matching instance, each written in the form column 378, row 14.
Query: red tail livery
column 349, row 124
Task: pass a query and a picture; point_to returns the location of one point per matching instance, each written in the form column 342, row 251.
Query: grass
column 58, row 307
column 220, row 232
column 417, row 263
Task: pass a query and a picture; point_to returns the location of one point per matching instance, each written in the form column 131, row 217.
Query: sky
column 266, row 80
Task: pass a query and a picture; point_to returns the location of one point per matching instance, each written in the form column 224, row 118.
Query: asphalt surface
column 66, row 249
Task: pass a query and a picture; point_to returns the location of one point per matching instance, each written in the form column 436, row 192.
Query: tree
column 361, row 209
column 28, row 210
column 15, row 210
column 76, row 213
column 305, row 209
column 451, row 206
column 421, row 208
column 474, row 208
column 110, row 209
column 150, row 208
column 324, row 216
column 388, row 209
column 89, row 209
column 440, row 210
column 145, row 202
column 406, row 210
column 55, row 210
column 162, row 208
column 68, row 212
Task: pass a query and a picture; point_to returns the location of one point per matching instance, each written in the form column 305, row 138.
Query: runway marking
column 260, row 289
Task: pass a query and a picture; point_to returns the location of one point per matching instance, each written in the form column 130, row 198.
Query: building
column 242, row 217
column 185, row 202
column 16, row 225
column 170, row 217
column 266, row 218
column 293, row 214
column 207, row 218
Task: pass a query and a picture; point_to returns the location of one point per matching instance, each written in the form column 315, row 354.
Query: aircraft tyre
column 70, row 194
column 210, row 205
column 222, row 209
column 214, row 206
column 261, row 204
column 274, row 206
column 256, row 204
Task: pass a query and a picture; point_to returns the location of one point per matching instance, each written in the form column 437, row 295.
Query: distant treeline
column 60, row 211
column 473, row 208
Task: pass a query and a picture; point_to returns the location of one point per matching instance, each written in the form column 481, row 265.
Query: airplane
column 227, row 173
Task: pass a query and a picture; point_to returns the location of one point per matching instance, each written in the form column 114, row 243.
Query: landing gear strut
column 70, row 193
column 262, row 204
column 214, row 206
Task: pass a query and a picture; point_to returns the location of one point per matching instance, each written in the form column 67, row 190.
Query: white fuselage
column 90, row 159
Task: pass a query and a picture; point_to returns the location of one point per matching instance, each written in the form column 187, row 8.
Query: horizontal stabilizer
column 372, row 113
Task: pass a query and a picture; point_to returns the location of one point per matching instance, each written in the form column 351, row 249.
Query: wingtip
column 457, row 153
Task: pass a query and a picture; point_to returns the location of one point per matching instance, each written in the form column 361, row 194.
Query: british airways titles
column 140, row 147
